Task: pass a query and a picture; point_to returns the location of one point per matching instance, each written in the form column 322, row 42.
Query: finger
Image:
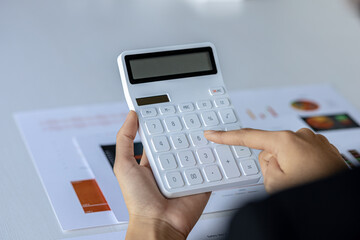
column 263, row 165
column 305, row 133
column 253, row 138
column 264, row 158
column 125, row 142
column 274, row 166
column 144, row 160
column 323, row 138
column 274, row 174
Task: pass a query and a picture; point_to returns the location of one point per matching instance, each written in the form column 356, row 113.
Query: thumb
column 125, row 143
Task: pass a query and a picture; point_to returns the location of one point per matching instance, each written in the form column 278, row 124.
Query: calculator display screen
column 152, row 100
column 159, row 66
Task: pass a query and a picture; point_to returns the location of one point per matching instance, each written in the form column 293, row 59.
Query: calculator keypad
column 210, row 118
column 160, row 144
column 179, row 141
column 154, row 126
column 192, row 121
column 185, row 156
column 173, row 124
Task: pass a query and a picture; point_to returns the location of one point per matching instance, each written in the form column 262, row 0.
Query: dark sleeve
column 327, row 209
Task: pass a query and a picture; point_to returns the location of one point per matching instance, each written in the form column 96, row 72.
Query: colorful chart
column 90, row 196
column 321, row 123
column 355, row 154
column 304, row 105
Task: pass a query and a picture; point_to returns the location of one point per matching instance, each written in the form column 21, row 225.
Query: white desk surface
column 62, row 53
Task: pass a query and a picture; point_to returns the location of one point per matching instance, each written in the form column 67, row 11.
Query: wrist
column 151, row 228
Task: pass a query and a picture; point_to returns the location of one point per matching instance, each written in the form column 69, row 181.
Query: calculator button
column 173, row 124
column 167, row 110
column 215, row 128
column 198, row 138
column 186, row 107
column 210, row 118
column 179, row 141
column 212, row 173
column 241, row 151
column 174, row 180
column 160, row 144
column 249, row 167
column 216, row 91
column 154, row 126
column 192, row 121
column 167, row 161
column 205, row 155
column 193, row 176
column 186, row 158
column 148, row 112
column 227, row 161
column 204, row 104
column 222, row 102
column 227, row 115
column 231, row 128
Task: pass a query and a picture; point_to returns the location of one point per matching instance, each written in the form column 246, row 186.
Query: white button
column 148, row 112
column 241, row 151
column 167, row 161
column 186, row 107
column 205, row 155
column 154, row 126
column 160, row 144
column 231, row 128
column 173, row 124
column 210, row 118
column 227, row 161
column 216, row 91
column 186, row 158
column 227, row 115
column 193, row 176
column 174, row 180
column 198, row 138
column 204, row 104
column 222, row 102
column 215, row 128
column 249, row 167
column 212, row 173
column 192, row 121
column 167, row 110
column 179, row 141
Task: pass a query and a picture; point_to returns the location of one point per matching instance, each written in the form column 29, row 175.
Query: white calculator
column 178, row 92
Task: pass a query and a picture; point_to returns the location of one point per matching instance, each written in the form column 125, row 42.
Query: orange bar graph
column 90, row 196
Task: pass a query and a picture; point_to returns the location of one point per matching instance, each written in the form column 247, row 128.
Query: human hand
column 288, row 158
column 152, row 216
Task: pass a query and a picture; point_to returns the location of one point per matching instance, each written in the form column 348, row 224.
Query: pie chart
column 304, row 105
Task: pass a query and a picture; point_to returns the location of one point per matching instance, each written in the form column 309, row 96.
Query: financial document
column 73, row 148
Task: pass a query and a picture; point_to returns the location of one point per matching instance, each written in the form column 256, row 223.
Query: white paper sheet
column 213, row 228
column 48, row 135
column 60, row 142
column 102, row 236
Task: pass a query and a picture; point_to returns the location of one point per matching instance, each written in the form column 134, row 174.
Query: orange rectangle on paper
column 90, row 196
